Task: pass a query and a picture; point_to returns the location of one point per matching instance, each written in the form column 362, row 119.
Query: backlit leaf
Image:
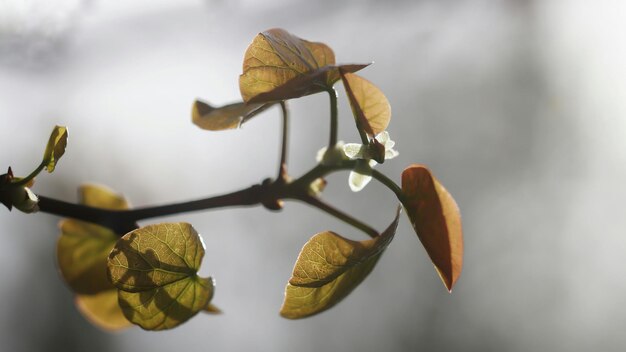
column 82, row 251
column 225, row 117
column 310, row 83
column 328, row 268
column 436, row 219
column 102, row 309
column 369, row 105
column 279, row 66
column 155, row 269
column 55, row 147
column 83, row 248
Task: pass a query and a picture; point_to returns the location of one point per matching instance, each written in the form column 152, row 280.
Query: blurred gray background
column 517, row 106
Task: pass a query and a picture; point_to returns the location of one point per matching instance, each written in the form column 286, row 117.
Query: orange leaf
column 279, row 66
column 370, row 106
column 436, row 220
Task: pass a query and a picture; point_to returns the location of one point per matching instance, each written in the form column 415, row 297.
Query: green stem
column 389, row 183
column 339, row 215
column 282, row 167
column 32, row 175
column 334, row 119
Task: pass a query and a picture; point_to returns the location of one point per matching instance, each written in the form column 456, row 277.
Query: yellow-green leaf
column 155, row 269
column 102, row 310
column 83, row 248
column 55, row 147
column 436, row 219
column 168, row 306
column 279, row 66
column 328, row 268
column 82, row 251
column 225, row 117
column 369, row 104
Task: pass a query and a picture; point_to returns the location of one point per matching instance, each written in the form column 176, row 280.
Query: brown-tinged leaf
column 369, row 104
column 436, row 219
column 83, row 248
column 225, row 117
column 55, row 147
column 155, row 269
column 310, row 83
column 276, row 57
column 328, row 268
column 102, row 310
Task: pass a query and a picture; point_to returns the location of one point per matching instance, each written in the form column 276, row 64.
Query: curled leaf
column 328, row 268
column 82, row 251
column 436, row 219
column 369, row 104
column 55, row 147
column 225, row 117
column 279, row 66
column 155, row 269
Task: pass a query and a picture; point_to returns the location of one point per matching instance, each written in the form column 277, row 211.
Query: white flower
column 361, row 175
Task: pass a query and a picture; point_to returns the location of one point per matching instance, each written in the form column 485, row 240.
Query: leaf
column 369, row 104
column 102, row 310
column 279, row 66
column 83, row 248
column 436, row 219
column 55, row 148
column 328, row 268
column 82, row 251
column 226, row 117
column 155, row 269
column 310, row 83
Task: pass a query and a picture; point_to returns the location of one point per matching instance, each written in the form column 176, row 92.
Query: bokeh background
column 517, row 106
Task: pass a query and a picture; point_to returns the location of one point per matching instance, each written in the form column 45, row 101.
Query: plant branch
column 339, row 214
column 122, row 221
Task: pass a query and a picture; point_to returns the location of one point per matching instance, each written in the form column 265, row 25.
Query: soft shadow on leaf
column 102, row 309
column 55, row 147
column 82, row 251
column 328, row 268
column 436, row 219
column 225, row 117
column 369, row 104
column 155, row 269
column 279, row 66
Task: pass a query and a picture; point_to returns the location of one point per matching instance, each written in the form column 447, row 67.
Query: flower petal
column 320, row 154
column 354, row 150
column 361, row 175
column 391, row 153
column 382, row 137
